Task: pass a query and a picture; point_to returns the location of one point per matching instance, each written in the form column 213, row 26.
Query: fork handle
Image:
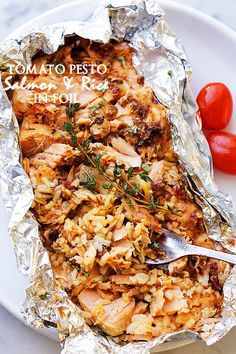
column 222, row 256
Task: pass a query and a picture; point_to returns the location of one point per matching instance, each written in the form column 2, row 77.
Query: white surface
column 14, row 14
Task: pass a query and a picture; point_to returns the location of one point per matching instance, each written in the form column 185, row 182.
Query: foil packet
column 156, row 51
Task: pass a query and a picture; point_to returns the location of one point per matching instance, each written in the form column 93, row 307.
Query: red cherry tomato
column 215, row 105
column 223, row 149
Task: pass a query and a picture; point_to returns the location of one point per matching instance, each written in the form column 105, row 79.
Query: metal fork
column 174, row 247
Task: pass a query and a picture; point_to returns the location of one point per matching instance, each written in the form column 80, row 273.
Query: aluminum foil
column 157, row 51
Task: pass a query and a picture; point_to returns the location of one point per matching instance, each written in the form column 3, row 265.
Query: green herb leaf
column 129, row 201
column 91, row 181
column 67, row 126
column 120, row 195
column 154, row 245
column 170, row 73
column 85, row 143
column 56, row 62
column 133, row 191
column 60, row 67
column 98, row 163
column 96, row 107
column 124, row 186
column 107, row 185
column 73, row 139
column 43, row 296
column 116, row 172
column 174, row 211
column 71, row 109
column 130, row 171
column 87, row 162
column 153, row 204
column 122, row 60
column 145, row 177
column 146, row 167
column 177, row 211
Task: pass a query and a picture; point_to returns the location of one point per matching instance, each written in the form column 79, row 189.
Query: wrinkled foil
column 156, row 50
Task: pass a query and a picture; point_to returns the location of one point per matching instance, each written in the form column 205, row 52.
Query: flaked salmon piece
column 123, row 111
column 142, row 214
column 119, row 249
column 123, row 147
column 115, row 91
column 115, row 317
column 128, row 74
column 54, row 156
column 120, row 279
column 156, row 170
column 157, row 303
column 124, row 152
column 140, row 308
column 120, row 122
column 39, row 137
column 89, row 299
column 113, row 155
column 175, row 301
column 177, row 265
column 162, row 169
column 49, row 114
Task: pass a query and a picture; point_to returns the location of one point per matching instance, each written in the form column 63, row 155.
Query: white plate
column 211, row 47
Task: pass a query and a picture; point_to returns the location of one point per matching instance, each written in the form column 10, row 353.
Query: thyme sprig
column 154, row 245
column 126, row 189
column 90, row 182
column 96, row 107
column 71, row 109
column 129, row 193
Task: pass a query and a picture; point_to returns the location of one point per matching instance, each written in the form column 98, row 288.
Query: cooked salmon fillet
column 114, row 317
column 106, row 181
